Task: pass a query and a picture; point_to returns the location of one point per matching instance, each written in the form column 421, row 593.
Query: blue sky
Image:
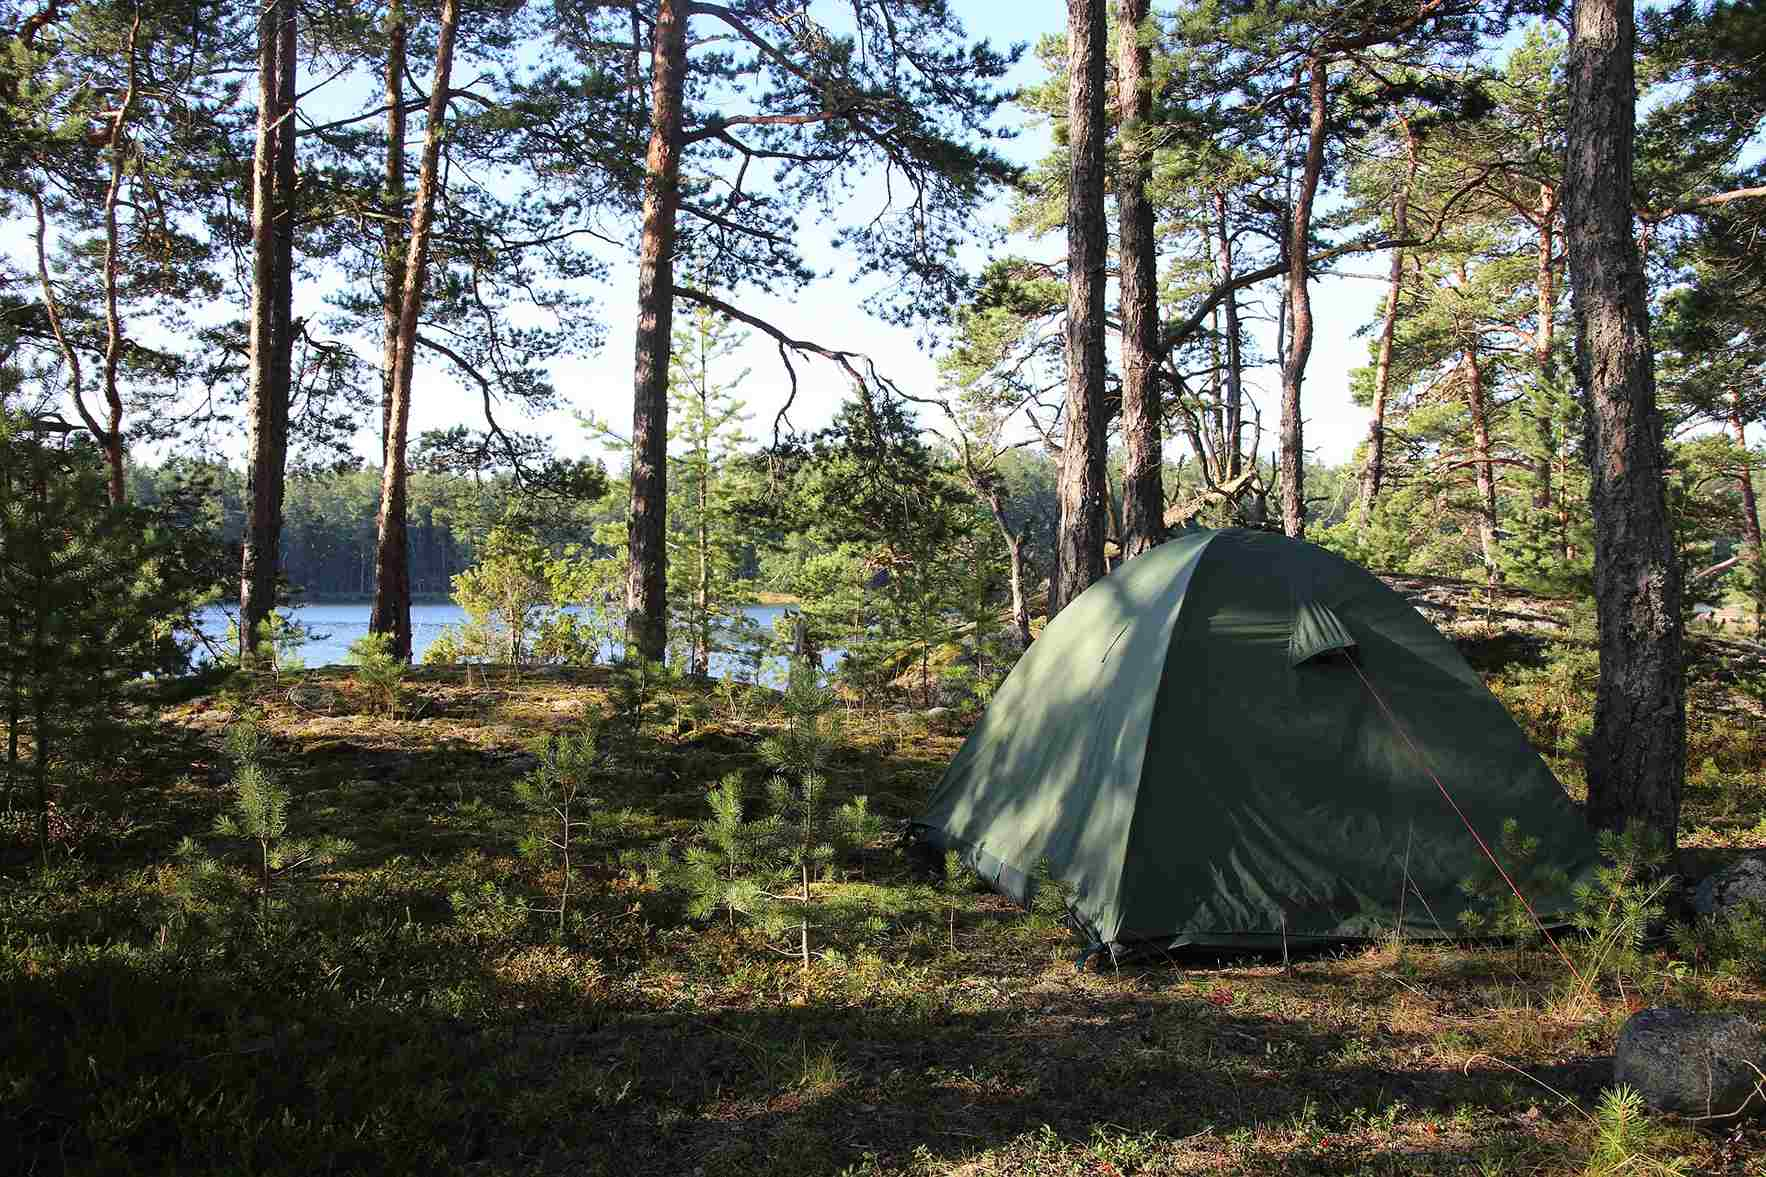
column 829, row 311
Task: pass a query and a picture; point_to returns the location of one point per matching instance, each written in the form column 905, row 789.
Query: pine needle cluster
column 1496, row 909
column 1625, row 899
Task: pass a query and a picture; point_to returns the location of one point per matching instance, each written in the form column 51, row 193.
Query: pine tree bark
column 1293, row 457
column 1753, row 553
column 1143, row 491
column 1478, row 408
column 1079, row 536
column 392, row 274
column 112, row 439
column 272, row 291
column 701, row 659
column 1235, row 388
column 646, row 594
column 392, row 559
column 1637, row 754
column 1545, row 283
column 1373, row 472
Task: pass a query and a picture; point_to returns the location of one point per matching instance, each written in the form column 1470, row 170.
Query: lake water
column 335, row 627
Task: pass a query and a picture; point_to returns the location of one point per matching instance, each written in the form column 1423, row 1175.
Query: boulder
column 1697, row 1064
column 1738, row 883
column 310, row 697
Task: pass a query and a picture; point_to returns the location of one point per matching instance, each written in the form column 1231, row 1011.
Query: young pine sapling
column 260, row 816
column 379, row 670
column 954, row 884
column 557, row 795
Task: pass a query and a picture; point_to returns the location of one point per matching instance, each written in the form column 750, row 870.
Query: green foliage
column 93, row 597
column 259, row 816
column 705, row 550
column 954, row 883
column 556, row 795
column 525, row 605
column 639, row 688
column 798, row 788
column 1495, row 909
column 280, row 638
column 379, row 670
column 1627, row 896
column 762, row 867
column 1050, row 898
column 721, row 871
column 1731, row 942
column 1625, row 1138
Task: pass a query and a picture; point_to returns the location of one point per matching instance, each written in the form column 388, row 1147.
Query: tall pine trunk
column 1373, row 472
column 1293, row 457
column 392, row 204
column 1143, row 492
column 1478, row 409
column 392, row 558
column 113, row 321
column 646, row 593
column 1079, row 537
column 1753, row 553
column 1637, row 754
column 701, row 660
column 1235, row 394
column 1544, row 431
column 272, row 294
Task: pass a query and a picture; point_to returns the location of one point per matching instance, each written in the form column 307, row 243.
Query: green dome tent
column 1235, row 740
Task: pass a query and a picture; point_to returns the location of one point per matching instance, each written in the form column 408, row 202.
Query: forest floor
column 413, row 1008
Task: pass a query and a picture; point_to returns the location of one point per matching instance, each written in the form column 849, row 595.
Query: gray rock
column 1697, row 1064
column 1732, row 886
column 313, row 698
column 935, row 713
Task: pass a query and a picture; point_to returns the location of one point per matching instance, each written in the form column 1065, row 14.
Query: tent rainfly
column 1243, row 740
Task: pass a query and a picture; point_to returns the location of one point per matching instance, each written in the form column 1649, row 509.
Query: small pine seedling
column 1626, row 896
column 260, row 815
column 1503, row 912
column 954, row 884
column 557, row 795
column 379, row 670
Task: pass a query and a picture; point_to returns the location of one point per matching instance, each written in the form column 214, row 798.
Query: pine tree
column 92, row 597
column 556, row 796
column 707, row 427
column 810, row 825
column 259, row 816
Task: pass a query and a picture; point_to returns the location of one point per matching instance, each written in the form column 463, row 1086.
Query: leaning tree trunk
column 272, row 289
column 392, row 558
column 1293, row 457
column 646, row 592
column 1637, row 755
column 392, row 273
column 1373, row 473
column 1079, row 537
column 1143, row 494
column 1753, row 553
